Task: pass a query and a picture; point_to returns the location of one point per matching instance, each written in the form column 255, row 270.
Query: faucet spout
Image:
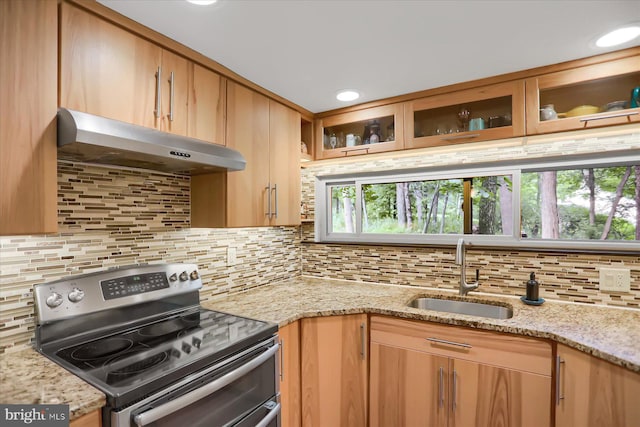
column 461, row 261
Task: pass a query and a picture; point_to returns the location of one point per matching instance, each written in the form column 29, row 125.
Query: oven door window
column 203, row 402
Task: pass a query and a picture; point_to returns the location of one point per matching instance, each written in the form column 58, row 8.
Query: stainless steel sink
column 463, row 307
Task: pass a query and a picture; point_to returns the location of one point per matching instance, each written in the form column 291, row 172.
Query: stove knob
column 184, row 276
column 186, row 348
column 173, row 277
column 196, row 342
column 76, row 295
column 194, row 275
column 54, row 300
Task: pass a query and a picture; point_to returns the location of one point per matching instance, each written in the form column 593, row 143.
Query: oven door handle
column 178, row 403
column 269, row 417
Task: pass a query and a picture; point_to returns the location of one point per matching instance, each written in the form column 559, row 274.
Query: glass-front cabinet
column 372, row 130
column 596, row 95
column 479, row 114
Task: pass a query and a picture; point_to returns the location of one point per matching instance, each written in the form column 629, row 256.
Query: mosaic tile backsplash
column 114, row 217
column 563, row 276
column 111, row 217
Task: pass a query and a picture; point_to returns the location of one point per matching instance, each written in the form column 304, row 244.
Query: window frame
column 515, row 168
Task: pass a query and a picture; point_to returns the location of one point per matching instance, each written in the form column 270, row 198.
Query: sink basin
column 462, row 307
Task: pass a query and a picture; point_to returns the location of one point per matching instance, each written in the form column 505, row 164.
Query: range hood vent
column 88, row 138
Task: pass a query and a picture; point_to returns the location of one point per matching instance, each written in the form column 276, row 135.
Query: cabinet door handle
column 275, row 189
column 454, row 402
column 559, row 362
column 363, row 343
column 171, row 91
column 281, row 360
column 445, row 342
column 609, row 116
column 268, row 190
column 441, row 388
column 158, row 92
column 346, row 152
column 452, row 138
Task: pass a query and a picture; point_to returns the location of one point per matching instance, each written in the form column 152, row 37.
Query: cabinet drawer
column 491, row 348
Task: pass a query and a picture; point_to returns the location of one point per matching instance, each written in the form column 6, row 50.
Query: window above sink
column 582, row 202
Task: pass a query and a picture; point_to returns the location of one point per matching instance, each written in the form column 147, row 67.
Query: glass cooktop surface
column 140, row 355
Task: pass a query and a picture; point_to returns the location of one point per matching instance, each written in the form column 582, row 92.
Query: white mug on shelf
column 351, row 140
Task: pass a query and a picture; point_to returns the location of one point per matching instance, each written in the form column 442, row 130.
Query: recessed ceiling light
column 202, row 2
column 347, row 95
column 619, row 36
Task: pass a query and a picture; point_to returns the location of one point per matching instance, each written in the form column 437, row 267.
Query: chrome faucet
column 460, row 260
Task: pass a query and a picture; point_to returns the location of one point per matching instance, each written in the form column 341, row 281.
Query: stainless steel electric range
column 140, row 335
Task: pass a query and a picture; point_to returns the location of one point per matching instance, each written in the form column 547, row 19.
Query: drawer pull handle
column 445, row 342
column 610, row 116
column 452, row 138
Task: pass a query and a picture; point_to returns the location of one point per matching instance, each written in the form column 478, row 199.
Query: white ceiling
column 306, row 51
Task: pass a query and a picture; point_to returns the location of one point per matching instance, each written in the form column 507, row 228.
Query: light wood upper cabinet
column 267, row 192
column 106, row 70
column 452, row 376
column 174, row 91
column 290, row 375
column 248, row 132
column 595, row 86
column 334, row 371
column 111, row 72
column 352, row 133
column 28, row 87
column 479, row 114
column 284, row 164
column 594, row 393
column 207, row 105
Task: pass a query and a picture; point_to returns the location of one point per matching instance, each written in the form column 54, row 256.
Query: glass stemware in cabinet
column 463, row 116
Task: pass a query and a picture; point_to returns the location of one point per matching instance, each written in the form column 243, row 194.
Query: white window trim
column 514, row 168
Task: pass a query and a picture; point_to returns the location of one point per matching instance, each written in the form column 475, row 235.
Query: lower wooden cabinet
column 334, row 371
column 92, row 419
column 426, row 374
column 290, row 374
column 408, row 387
column 592, row 392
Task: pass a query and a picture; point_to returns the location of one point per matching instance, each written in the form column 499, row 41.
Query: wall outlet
column 615, row 279
column 231, row 256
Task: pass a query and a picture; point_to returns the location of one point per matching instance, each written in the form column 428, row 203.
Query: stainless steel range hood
column 88, row 138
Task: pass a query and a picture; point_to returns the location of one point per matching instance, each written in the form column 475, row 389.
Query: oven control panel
column 113, row 288
column 132, row 285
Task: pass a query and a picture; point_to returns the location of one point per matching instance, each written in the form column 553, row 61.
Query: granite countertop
column 27, row 377
column 612, row 334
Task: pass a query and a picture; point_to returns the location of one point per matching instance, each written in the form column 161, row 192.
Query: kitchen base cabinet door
column 334, row 371
column 593, row 392
column 290, row 374
column 484, row 396
column 408, row 388
column 92, row 419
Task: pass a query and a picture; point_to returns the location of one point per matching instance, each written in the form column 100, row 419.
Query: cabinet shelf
column 373, row 130
column 493, row 112
column 595, row 86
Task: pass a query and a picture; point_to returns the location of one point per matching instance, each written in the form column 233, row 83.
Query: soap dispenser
column 532, row 287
